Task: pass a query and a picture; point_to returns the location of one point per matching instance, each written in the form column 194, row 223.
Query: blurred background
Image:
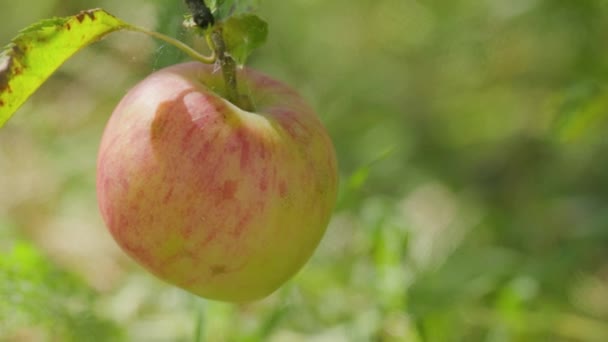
column 473, row 203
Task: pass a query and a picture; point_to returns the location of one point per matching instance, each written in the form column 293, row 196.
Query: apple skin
column 222, row 202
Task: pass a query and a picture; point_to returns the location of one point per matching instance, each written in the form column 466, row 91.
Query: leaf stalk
column 178, row 44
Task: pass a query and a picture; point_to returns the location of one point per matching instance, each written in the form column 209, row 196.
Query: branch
column 201, row 14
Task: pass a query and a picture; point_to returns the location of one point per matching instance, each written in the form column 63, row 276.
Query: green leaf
column 40, row 49
column 223, row 9
column 243, row 34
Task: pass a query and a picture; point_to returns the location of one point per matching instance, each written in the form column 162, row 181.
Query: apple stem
column 227, row 63
column 204, row 19
column 228, row 66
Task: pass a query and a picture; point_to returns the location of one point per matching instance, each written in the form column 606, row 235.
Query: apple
column 225, row 203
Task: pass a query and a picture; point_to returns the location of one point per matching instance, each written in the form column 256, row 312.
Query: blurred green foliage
column 37, row 294
column 473, row 204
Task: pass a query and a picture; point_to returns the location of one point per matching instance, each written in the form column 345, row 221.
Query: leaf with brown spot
column 32, row 57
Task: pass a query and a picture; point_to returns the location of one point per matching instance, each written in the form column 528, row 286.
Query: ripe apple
column 223, row 202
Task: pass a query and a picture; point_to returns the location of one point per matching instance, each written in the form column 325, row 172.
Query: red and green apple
column 223, row 202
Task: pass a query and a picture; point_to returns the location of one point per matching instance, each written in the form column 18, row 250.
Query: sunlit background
column 472, row 149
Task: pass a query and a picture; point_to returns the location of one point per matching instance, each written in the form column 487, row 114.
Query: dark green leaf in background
column 243, row 34
column 223, row 9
